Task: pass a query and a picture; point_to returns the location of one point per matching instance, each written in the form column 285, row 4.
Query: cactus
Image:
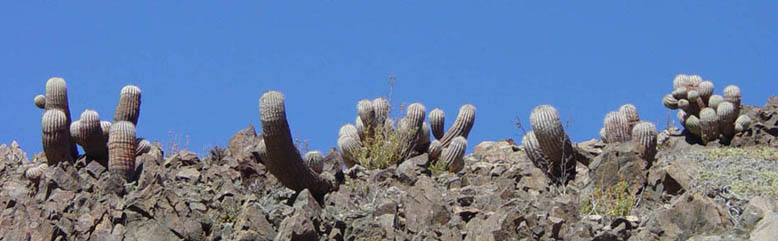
column 534, row 152
column 35, row 173
column 424, row 138
column 714, row 101
column 670, row 102
column 349, row 130
column 644, row 138
column 56, row 98
column 705, row 90
column 315, row 161
column 435, row 150
column 128, row 108
column 742, row 123
column 454, row 153
column 121, row 150
column 56, row 137
column 366, row 113
column 40, row 101
column 283, row 159
column 709, row 122
column 727, row 116
column 143, row 146
column 410, row 129
column 732, row 94
column 88, row 132
column 437, row 123
column 553, row 140
column 349, row 147
column 617, row 127
column 381, row 108
column 603, row 136
column 631, row 113
column 462, row 125
column 693, row 125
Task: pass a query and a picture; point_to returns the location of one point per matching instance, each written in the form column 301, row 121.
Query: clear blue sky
column 202, row 67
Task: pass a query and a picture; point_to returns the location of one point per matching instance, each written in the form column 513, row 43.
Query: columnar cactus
column 381, row 108
column 553, row 140
column 412, row 128
column 423, row 142
column 56, row 98
column 437, row 123
column 617, row 127
column 435, row 150
column 128, row 108
column 121, row 150
column 453, row 154
column 693, row 96
column 88, row 132
column 631, row 113
column 283, row 159
column 644, row 136
column 462, row 125
column 56, row 137
column 742, row 123
column 315, row 161
column 534, row 152
column 143, row 146
column 349, row 147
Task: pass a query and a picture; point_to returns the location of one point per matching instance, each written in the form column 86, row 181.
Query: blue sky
column 202, row 67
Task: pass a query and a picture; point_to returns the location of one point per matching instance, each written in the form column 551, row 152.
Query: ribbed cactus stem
column 462, row 125
column 284, row 160
column 714, row 101
column 57, row 98
column 434, row 150
column 644, row 138
column 40, row 101
column 533, row 150
column 742, row 123
column 381, row 108
column 693, row 125
column 705, row 90
column 56, row 137
column 410, row 129
column 350, row 131
column 453, row 154
column 680, row 93
column 437, row 123
column 349, row 148
column 631, row 112
column 128, row 108
column 366, row 113
column 121, row 150
column 315, row 161
column 424, row 137
column 732, row 94
column 617, row 127
column 143, row 146
column 88, row 133
column 727, row 116
column 709, row 122
column 603, row 135
column 670, row 102
column 360, row 128
column 553, row 140
column 106, row 127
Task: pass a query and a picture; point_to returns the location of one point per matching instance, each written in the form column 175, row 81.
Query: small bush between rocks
column 612, row 201
column 383, row 148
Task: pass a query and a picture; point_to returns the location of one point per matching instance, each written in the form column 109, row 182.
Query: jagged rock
column 149, row 230
column 243, row 143
column 766, row 229
column 691, row 214
column 618, row 162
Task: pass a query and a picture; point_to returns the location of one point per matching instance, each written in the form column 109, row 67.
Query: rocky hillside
column 689, row 191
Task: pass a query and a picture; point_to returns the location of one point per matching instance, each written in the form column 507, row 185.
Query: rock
column 618, row 162
column 95, row 169
column 149, row 230
column 13, row 155
column 424, row 206
column 673, row 175
column 766, row 229
column 183, row 158
column 64, row 175
column 297, row 227
column 189, row 174
column 243, row 143
column 690, row 215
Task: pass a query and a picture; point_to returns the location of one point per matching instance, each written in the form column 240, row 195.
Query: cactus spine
column 617, row 127
column 644, row 137
column 454, row 153
column 56, row 98
column 437, row 123
column 121, row 150
column 534, row 152
column 462, row 125
column 283, row 159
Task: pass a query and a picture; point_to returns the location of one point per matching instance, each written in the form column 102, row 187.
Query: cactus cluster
column 374, row 141
column 279, row 154
column 625, row 125
column 60, row 135
column 446, row 148
column 704, row 114
column 547, row 144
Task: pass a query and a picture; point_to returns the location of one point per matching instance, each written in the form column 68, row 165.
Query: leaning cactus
column 40, row 101
column 143, row 146
column 435, row 150
column 128, row 108
column 462, row 125
column 553, row 140
column 704, row 114
column 453, row 154
column 121, row 150
column 437, row 123
column 35, row 173
column 56, row 137
column 742, row 123
column 88, row 132
column 631, row 113
column 349, row 148
column 644, row 136
column 283, row 159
